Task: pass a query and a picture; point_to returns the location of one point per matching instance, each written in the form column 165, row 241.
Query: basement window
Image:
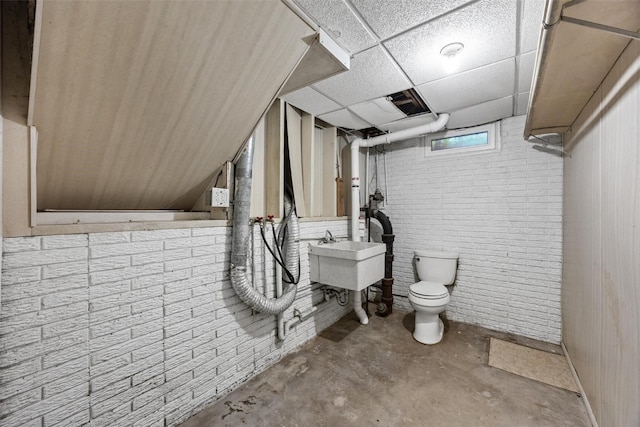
column 479, row 138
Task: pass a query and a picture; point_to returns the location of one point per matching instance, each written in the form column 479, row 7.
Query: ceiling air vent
column 370, row 132
column 409, row 102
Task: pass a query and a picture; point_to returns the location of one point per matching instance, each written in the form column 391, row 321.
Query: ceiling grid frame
column 529, row 10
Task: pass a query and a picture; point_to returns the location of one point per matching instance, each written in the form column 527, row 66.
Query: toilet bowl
column 429, row 297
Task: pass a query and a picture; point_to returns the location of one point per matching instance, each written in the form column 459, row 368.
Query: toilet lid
column 428, row 290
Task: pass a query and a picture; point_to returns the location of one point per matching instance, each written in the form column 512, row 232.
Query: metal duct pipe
column 386, row 303
column 240, row 243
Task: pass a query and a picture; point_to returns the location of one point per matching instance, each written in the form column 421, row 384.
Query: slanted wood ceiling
column 137, row 104
column 573, row 60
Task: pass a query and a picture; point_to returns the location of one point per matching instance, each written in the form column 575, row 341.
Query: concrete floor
column 378, row 375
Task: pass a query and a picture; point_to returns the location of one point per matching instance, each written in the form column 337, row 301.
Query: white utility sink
column 346, row 264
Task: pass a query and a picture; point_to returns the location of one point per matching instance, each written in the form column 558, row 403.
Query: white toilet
column 429, row 297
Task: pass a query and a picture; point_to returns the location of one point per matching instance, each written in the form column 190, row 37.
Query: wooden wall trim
column 33, row 183
column 35, row 58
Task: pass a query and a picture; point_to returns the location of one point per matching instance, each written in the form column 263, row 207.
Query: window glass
column 479, row 138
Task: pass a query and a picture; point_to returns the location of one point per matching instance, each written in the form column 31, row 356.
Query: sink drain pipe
column 385, row 307
column 356, row 144
column 241, row 237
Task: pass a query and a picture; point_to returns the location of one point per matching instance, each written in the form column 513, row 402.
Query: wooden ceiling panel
column 573, row 60
column 137, row 103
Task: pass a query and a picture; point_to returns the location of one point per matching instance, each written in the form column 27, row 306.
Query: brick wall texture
column 137, row 328
column 500, row 210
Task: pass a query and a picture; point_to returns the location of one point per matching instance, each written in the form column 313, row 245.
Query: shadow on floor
column 340, row 332
column 377, row 374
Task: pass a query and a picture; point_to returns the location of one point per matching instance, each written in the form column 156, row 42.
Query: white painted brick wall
column 137, row 328
column 501, row 211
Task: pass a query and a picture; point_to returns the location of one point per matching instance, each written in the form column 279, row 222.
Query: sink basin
column 346, row 264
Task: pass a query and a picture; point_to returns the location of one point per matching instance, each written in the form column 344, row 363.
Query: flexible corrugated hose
column 240, row 242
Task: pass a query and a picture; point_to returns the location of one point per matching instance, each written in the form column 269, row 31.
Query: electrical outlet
column 220, row 197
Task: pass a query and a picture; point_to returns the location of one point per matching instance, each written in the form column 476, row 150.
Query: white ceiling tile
column 371, row 76
column 482, row 113
column 522, row 104
column 472, row 87
column 311, row 101
column 414, row 32
column 407, row 123
column 525, row 71
column 344, row 118
column 531, row 24
column 487, row 29
column 335, row 17
column 390, row 17
column 377, row 111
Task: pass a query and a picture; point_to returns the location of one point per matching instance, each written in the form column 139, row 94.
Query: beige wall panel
column 581, row 286
column 15, row 93
column 601, row 277
column 15, row 180
column 620, row 281
column 139, row 102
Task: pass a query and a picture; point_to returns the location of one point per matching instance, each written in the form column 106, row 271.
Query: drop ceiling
column 395, row 45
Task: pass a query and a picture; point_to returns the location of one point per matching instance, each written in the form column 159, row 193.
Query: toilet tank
column 434, row 266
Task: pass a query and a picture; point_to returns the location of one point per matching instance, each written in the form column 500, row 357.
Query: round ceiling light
column 450, row 53
column 452, row 49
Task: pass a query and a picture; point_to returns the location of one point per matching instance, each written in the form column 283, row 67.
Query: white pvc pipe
column 372, row 142
column 285, row 327
column 355, row 181
column 357, row 307
column 281, row 332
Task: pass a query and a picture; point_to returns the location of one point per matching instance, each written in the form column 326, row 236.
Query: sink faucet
column 328, row 237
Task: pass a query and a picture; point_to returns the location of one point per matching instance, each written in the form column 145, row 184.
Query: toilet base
column 429, row 332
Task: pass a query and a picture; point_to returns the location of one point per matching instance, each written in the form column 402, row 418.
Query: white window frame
column 493, row 137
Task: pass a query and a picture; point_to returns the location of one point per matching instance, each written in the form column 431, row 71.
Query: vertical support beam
column 329, row 174
column 316, row 180
column 37, row 30
column 346, row 175
column 33, row 185
column 341, row 202
column 308, row 163
column 274, row 159
column 258, row 190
